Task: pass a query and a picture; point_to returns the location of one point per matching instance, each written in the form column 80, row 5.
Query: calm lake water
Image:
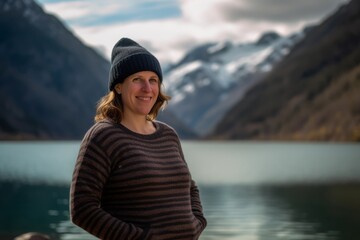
column 249, row 190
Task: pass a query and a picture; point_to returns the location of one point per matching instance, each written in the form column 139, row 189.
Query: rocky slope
column 212, row 77
column 50, row 81
column 312, row 94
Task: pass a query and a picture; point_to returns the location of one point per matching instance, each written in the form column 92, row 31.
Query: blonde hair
column 110, row 106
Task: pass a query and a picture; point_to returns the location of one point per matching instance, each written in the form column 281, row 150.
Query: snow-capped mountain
column 214, row 76
column 312, row 94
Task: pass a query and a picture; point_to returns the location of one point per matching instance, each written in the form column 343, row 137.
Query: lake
column 249, row 190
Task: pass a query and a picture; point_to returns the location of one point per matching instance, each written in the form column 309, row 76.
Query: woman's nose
column 146, row 86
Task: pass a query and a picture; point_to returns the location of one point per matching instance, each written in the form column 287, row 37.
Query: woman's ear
column 118, row 88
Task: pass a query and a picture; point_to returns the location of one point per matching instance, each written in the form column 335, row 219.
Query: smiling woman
column 139, row 92
column 131, row 180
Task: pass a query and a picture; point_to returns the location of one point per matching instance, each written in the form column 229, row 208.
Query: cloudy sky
column 168, row 28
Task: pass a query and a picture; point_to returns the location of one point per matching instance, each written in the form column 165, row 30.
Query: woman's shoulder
column 166, row 127
column 99, row 128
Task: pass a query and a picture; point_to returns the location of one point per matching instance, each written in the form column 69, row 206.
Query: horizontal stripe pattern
column 131, row 186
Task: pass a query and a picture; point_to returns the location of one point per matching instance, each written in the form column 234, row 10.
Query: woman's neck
column 139, row 125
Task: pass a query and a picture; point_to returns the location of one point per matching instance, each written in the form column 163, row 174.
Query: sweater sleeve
column 91, row 171
column 195, row 196
column 196, row 205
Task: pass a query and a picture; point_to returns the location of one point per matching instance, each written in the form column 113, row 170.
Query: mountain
column 303, row 86
column 49, row 80
column 313, row 93
column 181, row 129
column 212, row 77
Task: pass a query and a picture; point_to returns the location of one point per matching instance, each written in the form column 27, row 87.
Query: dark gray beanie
column 127, row 58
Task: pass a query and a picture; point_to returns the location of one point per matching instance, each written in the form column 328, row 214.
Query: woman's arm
column 196, row 205
column 194, row 192
column 90, row 174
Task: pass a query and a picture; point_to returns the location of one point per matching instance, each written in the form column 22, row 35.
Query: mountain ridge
column 304, row 95
column 50, row 80
column 42, row 75
column 213, row 76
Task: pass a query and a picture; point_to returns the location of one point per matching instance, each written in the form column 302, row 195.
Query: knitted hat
column 127, row 58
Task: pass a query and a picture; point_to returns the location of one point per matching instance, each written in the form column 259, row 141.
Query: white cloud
column 200, row 21
column 257, row 10
column 78, row 9
column 169, row 39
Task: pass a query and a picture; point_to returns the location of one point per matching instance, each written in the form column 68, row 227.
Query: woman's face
column 139, row 93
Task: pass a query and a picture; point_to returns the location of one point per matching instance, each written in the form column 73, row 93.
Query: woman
column 130, row 179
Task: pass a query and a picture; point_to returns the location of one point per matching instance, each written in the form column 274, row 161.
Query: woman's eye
column 153, row 80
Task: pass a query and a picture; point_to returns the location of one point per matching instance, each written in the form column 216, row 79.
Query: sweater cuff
column 146, row 235
column 202, row 220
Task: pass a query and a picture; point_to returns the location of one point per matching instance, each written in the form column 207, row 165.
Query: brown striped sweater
column 132, row 186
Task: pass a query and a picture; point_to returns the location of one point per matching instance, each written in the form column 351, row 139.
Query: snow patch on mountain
column 216, row 75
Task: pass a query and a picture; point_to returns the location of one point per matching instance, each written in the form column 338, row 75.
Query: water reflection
column 31, row 207
column 331, row 209
column 323, row 212
column 234, row 212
